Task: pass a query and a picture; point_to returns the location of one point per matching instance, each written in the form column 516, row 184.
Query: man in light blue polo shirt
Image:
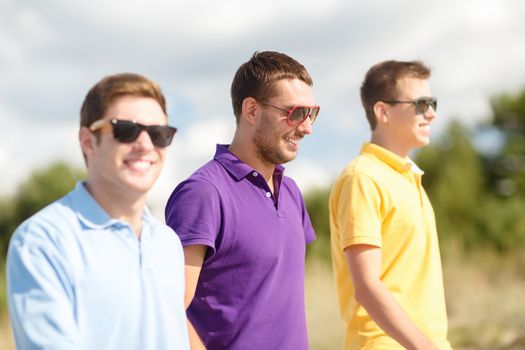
column 95, row 270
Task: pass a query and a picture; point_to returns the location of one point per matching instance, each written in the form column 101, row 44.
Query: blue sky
column 52, row 52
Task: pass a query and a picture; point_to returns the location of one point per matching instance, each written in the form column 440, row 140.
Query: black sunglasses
column 127, row 131
column 298, row 114
column 422, row 104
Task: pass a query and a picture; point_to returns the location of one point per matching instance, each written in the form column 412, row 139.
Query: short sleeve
column 193, row 211
column 40, row 293
column 309, row 233
column 297, row 198
column 358, row 211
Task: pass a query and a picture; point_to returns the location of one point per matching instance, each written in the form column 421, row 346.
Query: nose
column 305, row 127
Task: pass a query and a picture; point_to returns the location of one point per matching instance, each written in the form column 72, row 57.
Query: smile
column 139, row 164
column 291, row 141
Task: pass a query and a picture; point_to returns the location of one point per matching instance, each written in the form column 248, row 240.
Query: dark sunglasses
column 298, row 114
column 127, row 131
column 422, row 104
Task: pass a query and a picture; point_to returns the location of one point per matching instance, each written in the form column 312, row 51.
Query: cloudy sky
column 53, row 51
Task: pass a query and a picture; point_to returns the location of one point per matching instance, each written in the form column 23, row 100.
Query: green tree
column 41, row 188
column 507, row 168
column 317, row 206
column 454, row 181
column 460, row 185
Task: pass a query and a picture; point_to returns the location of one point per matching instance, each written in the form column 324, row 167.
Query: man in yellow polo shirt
column 383, row 234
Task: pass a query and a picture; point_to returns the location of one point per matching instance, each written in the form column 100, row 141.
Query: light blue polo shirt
column 78, row 279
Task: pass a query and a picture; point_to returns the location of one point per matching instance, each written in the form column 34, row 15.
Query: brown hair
column 381, row 80
column 257, row 77
column 110, row 87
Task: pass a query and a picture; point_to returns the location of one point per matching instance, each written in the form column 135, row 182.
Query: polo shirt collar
column 236, row 167
column 400, row 164
column 91, row 214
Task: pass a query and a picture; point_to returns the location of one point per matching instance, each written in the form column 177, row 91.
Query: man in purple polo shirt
column 243, row 224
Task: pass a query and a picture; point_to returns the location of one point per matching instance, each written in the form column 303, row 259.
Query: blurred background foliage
column 477, row 187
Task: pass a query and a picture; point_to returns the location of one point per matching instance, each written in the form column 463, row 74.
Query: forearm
column 390, row 316
column 195, row 341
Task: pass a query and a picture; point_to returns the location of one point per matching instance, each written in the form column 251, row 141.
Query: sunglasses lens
column 161, row 135
column 314, row 113
column 298, row 114
column 125, row 131
column 421, row 107
column 424, row 104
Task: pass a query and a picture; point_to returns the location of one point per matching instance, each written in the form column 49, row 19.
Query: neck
column 127, row 207
column 244, row 149
column 387, row 143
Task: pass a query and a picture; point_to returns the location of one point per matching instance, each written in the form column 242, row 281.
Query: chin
column 423, row 141
column 142, row 184
column 287, row 157
column 140, row 187
column 292, row 157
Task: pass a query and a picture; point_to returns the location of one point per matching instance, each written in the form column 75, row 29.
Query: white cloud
column 308, row 174
column 26, row 146
column 51, row 53
column 190, row 150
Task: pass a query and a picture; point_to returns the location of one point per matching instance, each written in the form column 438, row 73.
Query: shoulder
column 211, row 182
column 288, row 184
column 157, row 225
column 163, row 232
column 361, row 177
column 209, row 172
column 364, row 168
column 195, row 196
column 195, row 188
column 45, row 237
column 205, row 178
column 48, row 224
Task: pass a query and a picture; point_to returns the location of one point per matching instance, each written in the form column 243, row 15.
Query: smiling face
column 401, row 125
column 124, row 169
column 276, row 142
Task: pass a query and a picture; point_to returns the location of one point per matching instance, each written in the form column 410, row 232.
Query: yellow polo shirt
column 378, row 200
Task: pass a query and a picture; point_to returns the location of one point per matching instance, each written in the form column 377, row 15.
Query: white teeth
column 140, row 164
column 292, row 141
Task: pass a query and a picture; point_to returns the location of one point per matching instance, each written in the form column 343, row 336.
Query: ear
column 249, row 107
column 381, row 112
column 87, row 141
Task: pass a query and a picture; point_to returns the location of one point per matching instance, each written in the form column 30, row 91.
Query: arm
column 193, row 212
column 193, row 257
column 40, row 295
column 365, row 268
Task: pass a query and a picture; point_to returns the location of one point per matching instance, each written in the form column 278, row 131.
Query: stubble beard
column 267, row 145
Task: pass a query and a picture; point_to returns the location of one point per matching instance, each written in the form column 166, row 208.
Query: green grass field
column 485, row 297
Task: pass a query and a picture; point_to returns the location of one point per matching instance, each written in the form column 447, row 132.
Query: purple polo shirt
column 250, row 293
